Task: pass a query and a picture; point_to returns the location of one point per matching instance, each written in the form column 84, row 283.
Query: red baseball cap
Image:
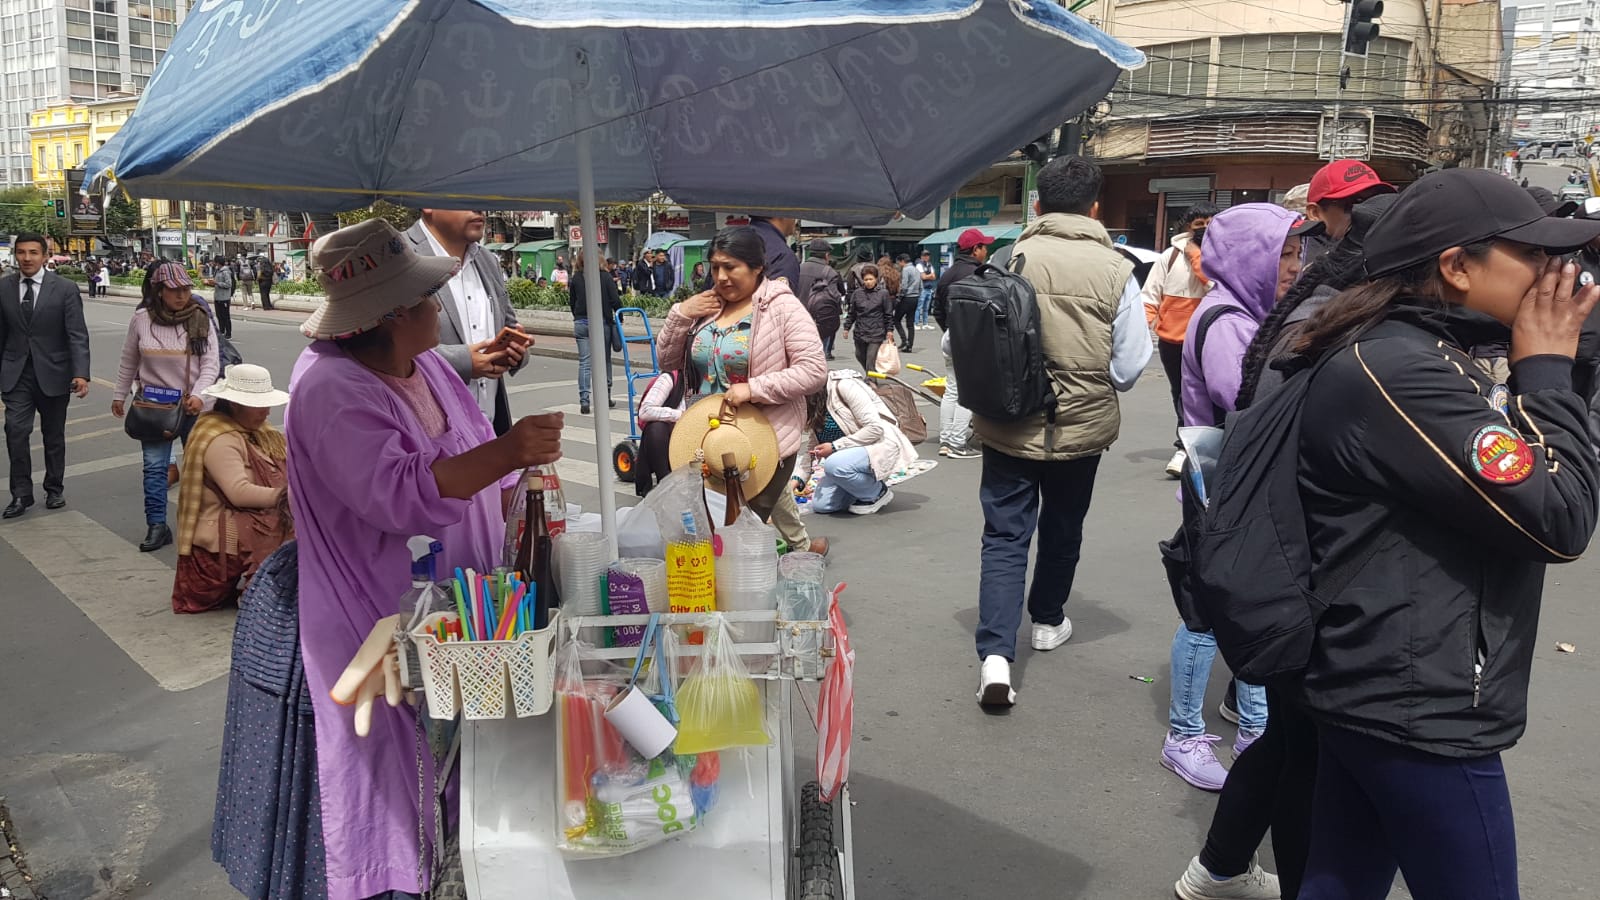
column 1344, row 178
column 972, row 237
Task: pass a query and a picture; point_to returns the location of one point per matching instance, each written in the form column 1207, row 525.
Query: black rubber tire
column 817, row 861
column 624, row 457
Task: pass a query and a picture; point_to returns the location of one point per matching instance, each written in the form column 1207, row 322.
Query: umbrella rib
column 893, row 188
column 638, row 93
column 412, row 69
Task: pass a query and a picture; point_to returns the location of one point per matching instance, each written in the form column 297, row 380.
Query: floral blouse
column 722, row 355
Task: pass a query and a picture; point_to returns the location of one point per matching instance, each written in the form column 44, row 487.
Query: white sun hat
column 247, row 385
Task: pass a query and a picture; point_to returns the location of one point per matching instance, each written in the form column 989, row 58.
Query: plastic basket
column 488, row 679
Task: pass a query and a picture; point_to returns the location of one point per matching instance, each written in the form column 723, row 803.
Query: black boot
column 157, row 537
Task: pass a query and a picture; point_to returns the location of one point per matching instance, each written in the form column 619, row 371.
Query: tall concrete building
column 1553, row 57
column 81, row 50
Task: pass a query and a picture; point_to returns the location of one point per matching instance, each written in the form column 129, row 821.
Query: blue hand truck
column 625, row 455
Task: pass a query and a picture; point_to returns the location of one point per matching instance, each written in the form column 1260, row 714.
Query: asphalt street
column 113, row 707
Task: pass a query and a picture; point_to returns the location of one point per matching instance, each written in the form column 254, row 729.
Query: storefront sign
column 539, row 220
column 575, row 235
column 735, row 221
column 973, row 210
column 1032, row 210
column 672, row 220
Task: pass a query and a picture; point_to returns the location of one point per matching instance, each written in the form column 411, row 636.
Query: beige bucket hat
column 368, row 270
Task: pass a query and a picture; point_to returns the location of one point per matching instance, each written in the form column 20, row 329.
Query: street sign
column 575, row 235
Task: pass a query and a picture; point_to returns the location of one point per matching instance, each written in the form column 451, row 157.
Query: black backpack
column 826, row 303
column 993, row 322
column 1244, row 560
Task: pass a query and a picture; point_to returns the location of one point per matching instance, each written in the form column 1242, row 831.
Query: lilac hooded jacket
column 1240, row 254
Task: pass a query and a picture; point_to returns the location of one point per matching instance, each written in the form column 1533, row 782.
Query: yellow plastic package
column 719, row 704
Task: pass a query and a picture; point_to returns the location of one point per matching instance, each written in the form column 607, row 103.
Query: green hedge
column 297, row 288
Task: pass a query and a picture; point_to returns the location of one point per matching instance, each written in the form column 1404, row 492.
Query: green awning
column 950, row 235
column 841, row 241
column 538, row 246
column 497, row 245
column 687, row 244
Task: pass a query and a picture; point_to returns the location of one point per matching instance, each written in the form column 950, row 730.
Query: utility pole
column 1359, row 31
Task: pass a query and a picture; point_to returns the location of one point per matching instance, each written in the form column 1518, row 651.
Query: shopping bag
column 888, row 361
column 836, row 707
column 718, row 703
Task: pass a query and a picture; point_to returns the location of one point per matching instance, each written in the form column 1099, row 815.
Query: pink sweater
column 786, row 360
column 154, row 355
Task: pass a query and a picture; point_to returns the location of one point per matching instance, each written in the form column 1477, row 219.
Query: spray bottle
column 424, row 599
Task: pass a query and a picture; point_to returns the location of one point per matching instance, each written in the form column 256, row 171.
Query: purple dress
column 360, row 484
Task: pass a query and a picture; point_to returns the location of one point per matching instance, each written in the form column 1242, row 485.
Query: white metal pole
column 599, row 324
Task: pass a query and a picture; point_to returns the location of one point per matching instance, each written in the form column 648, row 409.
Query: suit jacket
column 57, row 337
column 452, row 345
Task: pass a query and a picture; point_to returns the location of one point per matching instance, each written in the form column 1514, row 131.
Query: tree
column 23, row 209
column 122, row 215
column 399, row 216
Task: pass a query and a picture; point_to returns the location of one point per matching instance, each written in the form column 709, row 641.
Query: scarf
column 191, row 480
column 192, row 318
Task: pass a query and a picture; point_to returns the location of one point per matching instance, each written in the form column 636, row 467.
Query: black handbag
column 149, row 421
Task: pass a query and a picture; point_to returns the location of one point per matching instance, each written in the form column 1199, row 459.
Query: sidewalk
column 553, row 327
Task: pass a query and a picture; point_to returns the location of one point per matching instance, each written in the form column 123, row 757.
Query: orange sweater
column 1173, row 290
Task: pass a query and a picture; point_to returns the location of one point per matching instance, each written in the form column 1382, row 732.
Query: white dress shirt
column 475, row 310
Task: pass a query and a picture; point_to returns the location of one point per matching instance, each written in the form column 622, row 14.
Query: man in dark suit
column 45, row 346
column 476, row 307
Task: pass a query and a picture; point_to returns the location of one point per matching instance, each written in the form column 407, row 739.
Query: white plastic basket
column 487, row 679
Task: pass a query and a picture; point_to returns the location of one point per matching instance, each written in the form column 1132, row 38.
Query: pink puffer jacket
column 786, row 360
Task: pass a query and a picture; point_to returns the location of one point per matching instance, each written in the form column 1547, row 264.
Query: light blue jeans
column 955, row 420
column 1192, row 654
column 580, row 333
column 847, row 478
column 925, row 304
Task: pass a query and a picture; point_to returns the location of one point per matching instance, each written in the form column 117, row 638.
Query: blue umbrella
column 662, row 239
column 841, row 110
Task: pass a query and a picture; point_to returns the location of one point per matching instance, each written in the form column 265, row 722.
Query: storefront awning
column 538, row 246
column 497, row 245
column 950, row 235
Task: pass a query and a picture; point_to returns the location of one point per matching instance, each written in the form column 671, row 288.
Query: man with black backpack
column 1042, row 447
column 955, row 420
column 822, row 291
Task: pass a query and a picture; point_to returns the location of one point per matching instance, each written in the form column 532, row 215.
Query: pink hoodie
column 786, row 360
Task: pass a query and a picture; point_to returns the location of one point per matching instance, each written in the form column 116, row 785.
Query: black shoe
column 19, row 505
column 585, row 410
column 157, row 537
column 54, row 501
column 611, row 402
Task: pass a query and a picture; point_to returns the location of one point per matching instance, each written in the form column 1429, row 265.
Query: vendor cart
column 768, row 837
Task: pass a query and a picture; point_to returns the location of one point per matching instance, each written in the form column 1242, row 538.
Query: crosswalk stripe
column 82, row 436
column 105, row 464
column 126, row 594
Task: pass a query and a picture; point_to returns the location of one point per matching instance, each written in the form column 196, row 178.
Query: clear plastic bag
column 719, row 704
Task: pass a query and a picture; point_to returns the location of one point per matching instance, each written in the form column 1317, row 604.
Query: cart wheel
column 623, row 458
column 818, row 864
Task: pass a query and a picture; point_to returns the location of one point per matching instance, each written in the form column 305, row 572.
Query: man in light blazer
column 44, row 359
column 476, row 307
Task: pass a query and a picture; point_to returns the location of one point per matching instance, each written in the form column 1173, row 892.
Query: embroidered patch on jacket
column 1500, row 455
column 1500, row 398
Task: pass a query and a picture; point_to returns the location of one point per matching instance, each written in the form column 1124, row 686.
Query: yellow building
column 58, row 140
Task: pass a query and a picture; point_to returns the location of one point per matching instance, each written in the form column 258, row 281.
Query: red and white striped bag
column 836, row 707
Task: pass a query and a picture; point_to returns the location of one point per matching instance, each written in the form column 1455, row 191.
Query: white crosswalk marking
column 127, row 595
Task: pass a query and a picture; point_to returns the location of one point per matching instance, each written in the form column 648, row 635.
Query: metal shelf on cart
column 770, row 649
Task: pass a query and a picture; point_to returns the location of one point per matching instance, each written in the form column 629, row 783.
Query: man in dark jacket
column 817, row 275
column 642, row 281
column 955, row 421
column 583, row 331
column 782, row 264
column 661, row 275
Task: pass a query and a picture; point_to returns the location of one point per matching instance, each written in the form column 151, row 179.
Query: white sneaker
column 994, row 684
column 1049, row 637
column 1175, row 465
column 868, row 507
column 1256, row 884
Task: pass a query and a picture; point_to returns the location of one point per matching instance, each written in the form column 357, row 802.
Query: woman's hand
column 535, row 440
column 1550, row 317
column 117, row 408
column 705, row 303
column 532, row 441
column 192, row 405
column 738, row 395
column 822, row 451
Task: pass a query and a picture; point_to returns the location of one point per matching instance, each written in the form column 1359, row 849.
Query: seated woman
column 659, row 410
column 385, row 443
column 857, row 443
column 232, row 504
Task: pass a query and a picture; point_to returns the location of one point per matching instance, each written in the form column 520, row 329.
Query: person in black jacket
column 955, row 420
column 582, row 329
column 868, row 313
column 1448, row 493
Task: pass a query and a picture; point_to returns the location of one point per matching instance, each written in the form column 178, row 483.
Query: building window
column 105, row 6
column 1307, row 66
column 41, row 159
column 1181, row 69
column 77, row 154
column 61, row 162
column 1564, row 11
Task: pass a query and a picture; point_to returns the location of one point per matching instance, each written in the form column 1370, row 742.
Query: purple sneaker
column 1243, row 741
column 1192, row 759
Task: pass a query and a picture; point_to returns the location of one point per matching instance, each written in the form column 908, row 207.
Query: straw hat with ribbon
column 367, row 271
column 710, row 428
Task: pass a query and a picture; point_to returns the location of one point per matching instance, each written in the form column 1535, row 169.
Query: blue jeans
column 1192, row 654
column 925, row 304
column 847, row 478
column 580, row 333
column 1444, row 822
column 1020, row 496
column 157, row 456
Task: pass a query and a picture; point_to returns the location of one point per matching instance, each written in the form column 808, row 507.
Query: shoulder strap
column 1206, row 321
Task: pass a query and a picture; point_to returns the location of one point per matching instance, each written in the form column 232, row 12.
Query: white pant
column 955, row 420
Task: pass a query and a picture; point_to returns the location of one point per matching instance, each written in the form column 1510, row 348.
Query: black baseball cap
column 1551, row 204
column 1456, row 207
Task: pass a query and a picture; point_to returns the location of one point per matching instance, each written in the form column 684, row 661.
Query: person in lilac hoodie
column 1252, row 254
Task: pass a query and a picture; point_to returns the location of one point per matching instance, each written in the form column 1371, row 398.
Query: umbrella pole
column 599, row 324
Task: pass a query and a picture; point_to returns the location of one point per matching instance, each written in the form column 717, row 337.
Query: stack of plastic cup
column 748, row 566
column 580, row 559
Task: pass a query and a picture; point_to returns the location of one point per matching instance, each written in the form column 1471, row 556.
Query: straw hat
column 745, row 432
column 247, row 385
column 367, row 270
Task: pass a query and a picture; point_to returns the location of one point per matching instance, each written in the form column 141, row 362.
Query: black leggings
column 652, row 464
column 1271, row 784
column 905, row 321
column 224, row 317
column 867, row 353
column 1172, row 363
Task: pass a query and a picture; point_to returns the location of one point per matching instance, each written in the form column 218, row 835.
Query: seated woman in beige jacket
column 854, row 439
column 232, row 494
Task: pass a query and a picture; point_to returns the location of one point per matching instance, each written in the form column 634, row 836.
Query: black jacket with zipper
column 963, row 267
column 1431, row 644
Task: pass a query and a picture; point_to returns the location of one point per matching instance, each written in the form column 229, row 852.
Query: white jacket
column 866, row 422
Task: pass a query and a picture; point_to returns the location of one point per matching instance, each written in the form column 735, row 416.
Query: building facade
column 1238, row 100
column 83, row 50
column 1551, row 65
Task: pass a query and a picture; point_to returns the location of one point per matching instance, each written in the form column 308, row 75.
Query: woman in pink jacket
column 751, row 339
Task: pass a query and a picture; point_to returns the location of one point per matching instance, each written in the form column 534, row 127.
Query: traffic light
column 1361, row 30
column 61, row 209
